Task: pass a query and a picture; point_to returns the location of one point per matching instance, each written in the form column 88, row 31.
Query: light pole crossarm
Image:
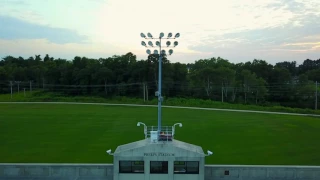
column 159, row 38
column 159, row 46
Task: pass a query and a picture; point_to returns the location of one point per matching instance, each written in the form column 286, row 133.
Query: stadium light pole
column 161, row 52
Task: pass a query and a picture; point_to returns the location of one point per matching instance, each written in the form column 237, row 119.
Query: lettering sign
column 158, row 154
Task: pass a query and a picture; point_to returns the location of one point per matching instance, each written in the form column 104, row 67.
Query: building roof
column 171, row 144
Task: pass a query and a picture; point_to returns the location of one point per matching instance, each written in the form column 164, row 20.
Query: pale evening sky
column 238, row 30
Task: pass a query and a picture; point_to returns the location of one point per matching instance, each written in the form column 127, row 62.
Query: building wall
column 56, row 171
column 243, row 172
column 105, row 172
column 169, row 152
column 169, row 176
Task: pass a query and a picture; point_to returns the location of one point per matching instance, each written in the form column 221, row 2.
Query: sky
column 240, row 31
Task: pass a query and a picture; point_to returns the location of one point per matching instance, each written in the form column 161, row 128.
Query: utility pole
column 42, row 82
column 105, row 87
column 316, row 103
column 222, row 92
column 30, row 86
column 18, row 82
column 11, row 88
column 147, row 92
column 144, row 92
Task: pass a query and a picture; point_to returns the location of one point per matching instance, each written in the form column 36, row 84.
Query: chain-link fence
column 277, row 94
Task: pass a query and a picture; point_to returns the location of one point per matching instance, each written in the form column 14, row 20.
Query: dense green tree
column 290, row 66
column 215, row 78
column 3, row 74
column 314, row 74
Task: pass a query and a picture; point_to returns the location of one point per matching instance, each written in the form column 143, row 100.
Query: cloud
column 291, row 5
column 13, row 28
column 20, row 9
column 304, row 45
column 270, row 30
column 261, row 38
column 25, row 48
column 274, row 30
column 13, row 2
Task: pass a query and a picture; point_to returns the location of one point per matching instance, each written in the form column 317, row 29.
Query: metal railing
column 165, row 134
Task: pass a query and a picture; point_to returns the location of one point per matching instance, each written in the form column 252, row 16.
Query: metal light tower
column 161, row 53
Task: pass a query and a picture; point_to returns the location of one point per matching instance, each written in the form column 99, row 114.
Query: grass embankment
column 39, row 96
column 53, row 133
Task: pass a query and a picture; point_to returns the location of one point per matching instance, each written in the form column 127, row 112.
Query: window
column 158, row 167
column 186, row 167
column 226, row 173
column 131, row 166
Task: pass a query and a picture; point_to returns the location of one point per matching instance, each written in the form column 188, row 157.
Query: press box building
column 159, row 157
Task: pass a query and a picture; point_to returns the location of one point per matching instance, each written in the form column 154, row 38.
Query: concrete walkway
column 177, row 107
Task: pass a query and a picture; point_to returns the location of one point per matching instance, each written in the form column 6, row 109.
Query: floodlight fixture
column 148, row 51
column 175, row 43
column 150, row 43
column 109, row 152
column 150, row 35
column 173, row 128
column 170, row 51
column 155, row 52
column 139, row 123
column 169, row 35
column 145, row 128
column 163, row 51
column 161, row 35
column 209, row 153
column 143, row 43
column 180, row 124
column 177, row 35
column 158, row 43
column 168, row 43
column 143, row 35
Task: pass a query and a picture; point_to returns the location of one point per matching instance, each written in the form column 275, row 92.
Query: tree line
column 252, row 82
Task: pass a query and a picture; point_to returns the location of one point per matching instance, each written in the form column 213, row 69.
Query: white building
column 161, row 158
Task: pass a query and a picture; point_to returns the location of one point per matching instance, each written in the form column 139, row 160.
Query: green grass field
column 53, row 133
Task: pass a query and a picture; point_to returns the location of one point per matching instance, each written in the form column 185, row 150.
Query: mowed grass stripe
column 54, row 133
